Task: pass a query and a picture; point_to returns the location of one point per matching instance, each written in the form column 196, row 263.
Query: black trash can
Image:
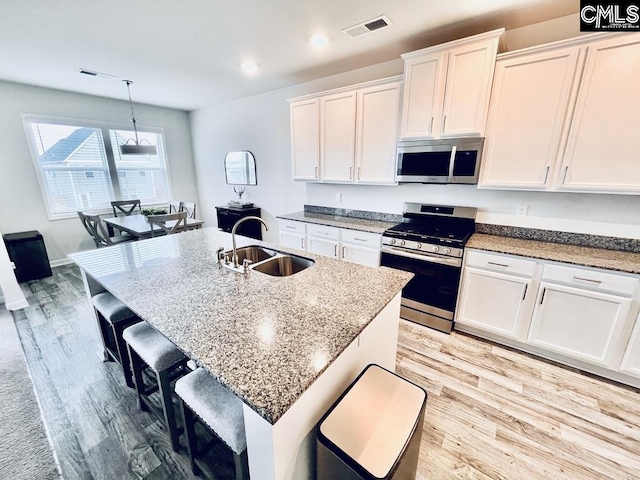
column 374, row 429
column 27, row 251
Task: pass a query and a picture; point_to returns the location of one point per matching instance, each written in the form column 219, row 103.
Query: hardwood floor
column 491, row 413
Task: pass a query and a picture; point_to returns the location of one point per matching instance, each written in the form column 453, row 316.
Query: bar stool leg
column 137, row 367
column 192, row 443
column 164, row 387
column 102, row 325
column 123, row 351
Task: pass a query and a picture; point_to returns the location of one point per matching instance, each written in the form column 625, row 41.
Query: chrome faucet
column 233, row 236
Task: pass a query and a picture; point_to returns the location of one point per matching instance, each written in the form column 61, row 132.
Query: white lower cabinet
column 631, row 360
column 324, row 247
column 292, row 234
column 577, row 315
column 583, row 324
column 495, row 302
column 352, row 246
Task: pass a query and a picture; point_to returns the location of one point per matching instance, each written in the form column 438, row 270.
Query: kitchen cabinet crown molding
column 348, row 88
column 457, row 43
column 566, row 43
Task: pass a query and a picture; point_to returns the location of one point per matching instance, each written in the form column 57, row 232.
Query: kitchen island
column 286, row 346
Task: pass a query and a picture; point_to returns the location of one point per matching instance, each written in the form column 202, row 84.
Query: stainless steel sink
column 283, row 265
column 254, row 253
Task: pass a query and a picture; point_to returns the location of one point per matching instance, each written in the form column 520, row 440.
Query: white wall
column 22, row 205
column 261, row 124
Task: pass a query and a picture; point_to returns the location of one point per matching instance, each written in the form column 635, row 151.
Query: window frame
column 105, row 127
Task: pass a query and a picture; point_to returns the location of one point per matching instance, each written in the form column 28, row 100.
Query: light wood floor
column 491, row 412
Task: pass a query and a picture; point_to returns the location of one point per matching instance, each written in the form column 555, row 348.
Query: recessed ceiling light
column 249, row 67
column 319, row 41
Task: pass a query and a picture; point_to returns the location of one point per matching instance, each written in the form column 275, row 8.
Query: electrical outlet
column 338, row 197
column 521, row 210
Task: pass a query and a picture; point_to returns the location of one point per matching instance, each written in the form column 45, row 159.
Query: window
column 79, row 166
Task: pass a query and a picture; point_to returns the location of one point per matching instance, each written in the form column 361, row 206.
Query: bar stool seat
column 113, row 317
column 155, row 349
column 149, row 348
column 220, row 411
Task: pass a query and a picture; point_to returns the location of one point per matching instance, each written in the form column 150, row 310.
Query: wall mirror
column 240, row 168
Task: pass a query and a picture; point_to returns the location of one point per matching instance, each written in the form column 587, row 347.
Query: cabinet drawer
column 365, row 239
column 579, row 277
column 322, row 231
column 500, row 263
column 292, row 226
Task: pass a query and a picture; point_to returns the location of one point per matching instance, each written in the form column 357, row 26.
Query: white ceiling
column 186, row 54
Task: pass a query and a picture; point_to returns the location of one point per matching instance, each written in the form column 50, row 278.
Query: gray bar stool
column 149, row 348
column 220, row 412
column 113, row 317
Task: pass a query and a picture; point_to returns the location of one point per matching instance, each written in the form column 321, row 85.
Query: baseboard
column 61, row 262
column 17, row 305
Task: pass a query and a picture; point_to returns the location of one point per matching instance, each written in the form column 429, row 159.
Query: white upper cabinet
column 529, row 105
column 447, row 88
column 565, row 116
column 377, row 133
column 305, row 139
column 337, row 136
column 603, row 149
column 357, row 133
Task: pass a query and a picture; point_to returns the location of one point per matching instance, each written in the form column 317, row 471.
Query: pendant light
column 135, row 148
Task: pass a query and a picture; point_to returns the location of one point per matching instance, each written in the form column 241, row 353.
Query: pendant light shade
column 135, row 147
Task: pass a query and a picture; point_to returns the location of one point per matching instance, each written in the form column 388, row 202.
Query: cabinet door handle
column 564, row 174
column 335, row 251
column 343, row 252
column 431, row 126
column 358, row 173
column 580, row 279
column 444, row 123
column 544, row 290
column 316, row 173
column 546, row 175
column 524, row 295
column 302, row 243
column 360, row 239
column 289, row 226
column 502, row 265
column 350, row 173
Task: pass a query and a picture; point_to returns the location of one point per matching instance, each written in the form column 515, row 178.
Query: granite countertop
column 266, row 338
column 628, row 262
column 352, row 223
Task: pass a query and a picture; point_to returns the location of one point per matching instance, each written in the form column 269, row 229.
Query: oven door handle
column 426, row 257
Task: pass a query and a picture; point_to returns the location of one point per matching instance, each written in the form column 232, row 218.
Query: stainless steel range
column 429, row 243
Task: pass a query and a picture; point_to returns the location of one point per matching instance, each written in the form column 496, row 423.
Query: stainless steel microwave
column 455, row 160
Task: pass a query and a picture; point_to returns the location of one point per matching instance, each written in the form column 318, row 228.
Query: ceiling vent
column 367, row 27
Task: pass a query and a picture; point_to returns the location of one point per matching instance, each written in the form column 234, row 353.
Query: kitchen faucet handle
column 220, row 254
column 245, row 265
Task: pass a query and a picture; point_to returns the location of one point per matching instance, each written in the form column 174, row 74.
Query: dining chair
column 188, row 207
column 174, row 206
column 180, row 218
column 127, row 207
column 94, row 226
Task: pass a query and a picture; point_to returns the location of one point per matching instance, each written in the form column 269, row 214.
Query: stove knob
column 419, row 246
column 435, row 249
column 402, row 243
column 393, row 241
column 446, row 251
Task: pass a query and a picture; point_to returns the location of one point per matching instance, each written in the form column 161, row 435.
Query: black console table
column 228, row 216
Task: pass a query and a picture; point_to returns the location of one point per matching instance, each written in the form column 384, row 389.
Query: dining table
column 138, row 225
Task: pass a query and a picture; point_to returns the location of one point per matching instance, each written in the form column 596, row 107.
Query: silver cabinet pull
column 588, row 280
column 544, row 290
column 503, row 265
column 444, row 123
column 431, row 125
column 302, row 243
column 358, row 173
column 343, row 252
column 289, row 226
column 524, row 295
column 360, row 239
column 546, row 175
column 316, row 173
column 335, row 251
column 564, row 174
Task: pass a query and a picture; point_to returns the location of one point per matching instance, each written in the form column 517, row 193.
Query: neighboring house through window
column 79, row 166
